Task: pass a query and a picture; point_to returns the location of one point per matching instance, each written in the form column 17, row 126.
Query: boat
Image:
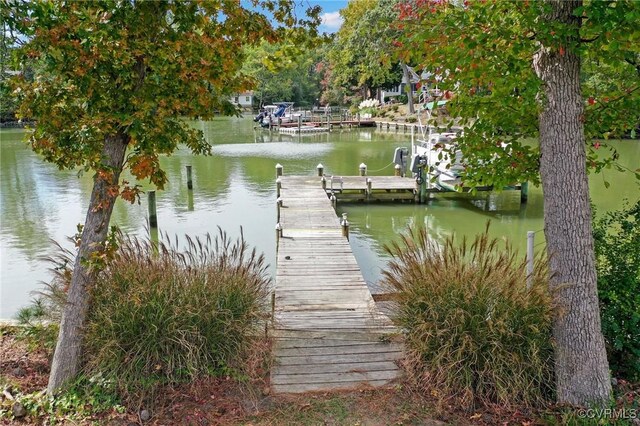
column 281, row 112
column 434, row 149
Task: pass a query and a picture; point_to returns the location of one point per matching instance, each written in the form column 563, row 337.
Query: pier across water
column 329, row 334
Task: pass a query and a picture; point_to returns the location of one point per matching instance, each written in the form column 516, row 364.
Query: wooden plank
column 283, row 379
column 323, row 387
column 334, row 368
column 364, row 348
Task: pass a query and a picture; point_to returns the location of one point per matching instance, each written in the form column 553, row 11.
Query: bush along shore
column 176, row 335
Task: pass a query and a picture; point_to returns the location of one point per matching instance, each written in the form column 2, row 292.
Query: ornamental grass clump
column 474, row 331
column 161, row 315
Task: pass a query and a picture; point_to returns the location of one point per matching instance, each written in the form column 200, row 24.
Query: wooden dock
column 328, row 331
column 302, row 130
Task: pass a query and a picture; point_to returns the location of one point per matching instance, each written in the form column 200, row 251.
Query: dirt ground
column 222, row 401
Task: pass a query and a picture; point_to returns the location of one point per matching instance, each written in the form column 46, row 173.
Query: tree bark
column 582, row 371
column 409, row 90
column 67, row 356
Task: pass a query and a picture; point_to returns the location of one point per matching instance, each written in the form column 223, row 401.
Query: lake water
column 235, row 187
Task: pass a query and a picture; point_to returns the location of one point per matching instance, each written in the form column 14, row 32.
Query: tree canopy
column 488, row 48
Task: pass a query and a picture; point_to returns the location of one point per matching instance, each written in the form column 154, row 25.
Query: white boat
column 272, row 115
column 434, row 149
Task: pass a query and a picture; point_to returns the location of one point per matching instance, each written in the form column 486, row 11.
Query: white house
column 244, row 99
column 414, row 79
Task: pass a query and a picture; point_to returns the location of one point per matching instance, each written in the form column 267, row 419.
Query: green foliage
column 36, row 328
column 163, row 316
column 484, row 53
column 473, row 329
column 80, row 400
column 134, row 69
column 617, row 245
column 283, row 72
column 361, row 53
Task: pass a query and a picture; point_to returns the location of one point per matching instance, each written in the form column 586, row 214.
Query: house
column 416, row 80
column 244, row 100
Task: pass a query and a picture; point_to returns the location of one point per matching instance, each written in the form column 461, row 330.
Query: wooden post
column 369, row 185
column 524, row 192
column 278, row 233
column 189, row 181
column 153, row 216
column 278, row 187
column 397, row 170
column 530, row 244
column 423, row 187
column 299, row 124
column 320, row 169
column 278, row 206
column 190, row 201
column 279, row 169
column 363, row 169
column 324, row 182
column 334, row 200
column 345, row 226
column 273, row 306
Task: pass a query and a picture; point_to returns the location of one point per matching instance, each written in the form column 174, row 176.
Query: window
column 247, row 98
column 236, row 99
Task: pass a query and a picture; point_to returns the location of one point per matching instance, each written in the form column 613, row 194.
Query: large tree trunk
column 582, row 371
column 67, row 356
column 409, row 90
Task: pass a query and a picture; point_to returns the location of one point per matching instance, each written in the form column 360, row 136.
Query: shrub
column 617, row 246
column 473, row 330
column 411, row 119
column 160, row 315
column 403, row 99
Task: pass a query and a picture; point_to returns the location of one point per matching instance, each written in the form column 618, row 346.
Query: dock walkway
column 328, row 331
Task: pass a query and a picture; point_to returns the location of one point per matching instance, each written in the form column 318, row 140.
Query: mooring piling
column 524, row 192
column 189, row 180
column 153, row 216
column 345, row 226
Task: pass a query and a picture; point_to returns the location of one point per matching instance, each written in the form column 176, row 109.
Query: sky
column 331, row 20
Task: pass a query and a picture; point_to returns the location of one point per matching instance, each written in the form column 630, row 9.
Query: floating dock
column 329, row 333
column 303, row 130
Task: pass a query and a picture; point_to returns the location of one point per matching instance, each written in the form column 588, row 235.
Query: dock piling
column 153, row 216
column 524, row 192
column 278, row 187
column 363, row 169
column 334, row 200
column 324, row 182
column 345, row 226
column 279, row 169
column 320, row 169
column 397, row 170
column 189, row 181
column 369, row 185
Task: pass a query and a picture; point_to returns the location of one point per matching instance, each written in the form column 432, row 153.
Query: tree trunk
column 582, row 371
column 409, row 87
column 67, row 356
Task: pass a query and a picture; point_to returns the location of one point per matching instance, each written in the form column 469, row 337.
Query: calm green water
column 236, row 188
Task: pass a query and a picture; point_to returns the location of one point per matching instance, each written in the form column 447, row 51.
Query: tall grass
column 161, row 315
column 474, row 332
